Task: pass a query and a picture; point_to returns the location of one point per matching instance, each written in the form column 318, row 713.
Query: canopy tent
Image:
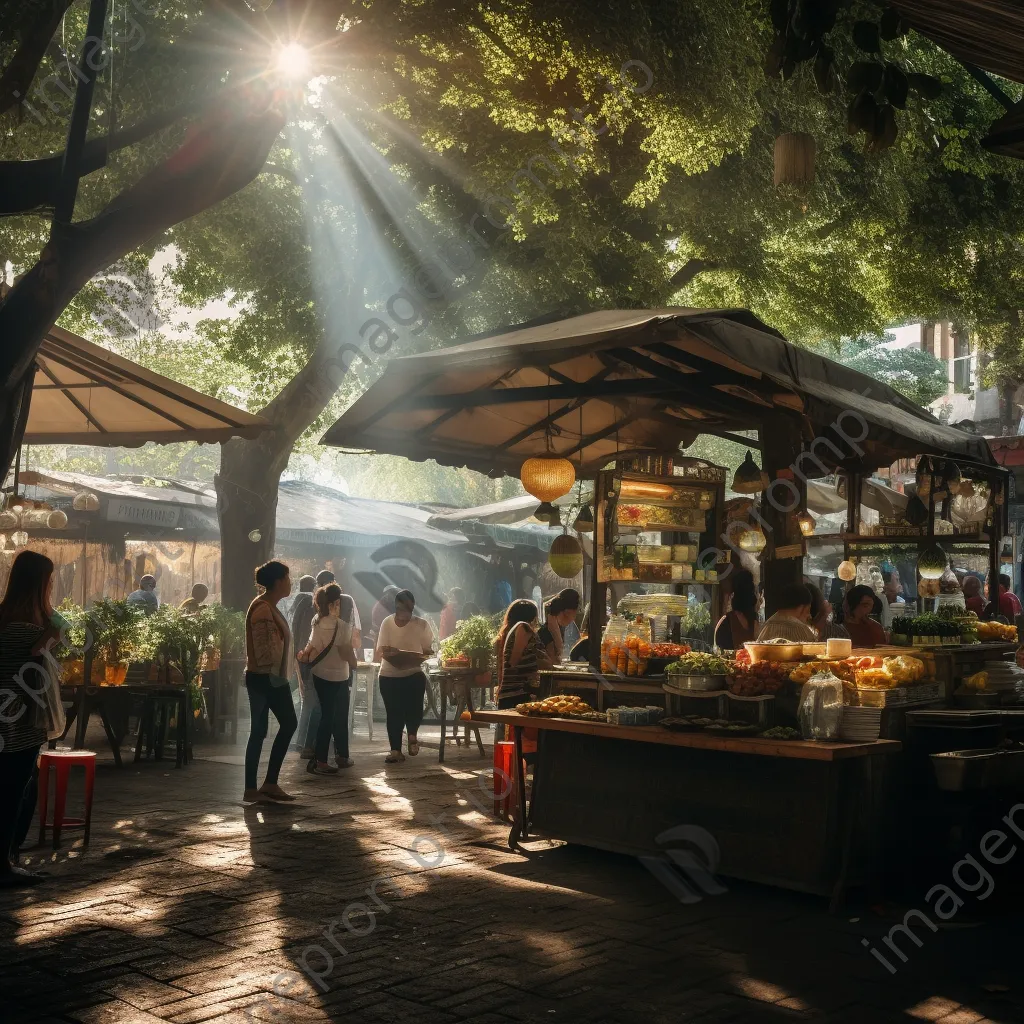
column 84, row 394
column 825, row 499
column 608, row 384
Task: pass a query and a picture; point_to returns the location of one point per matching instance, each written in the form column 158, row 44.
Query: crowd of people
column 804, row 615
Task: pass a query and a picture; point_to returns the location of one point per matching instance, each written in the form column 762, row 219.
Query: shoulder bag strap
column 323, row 654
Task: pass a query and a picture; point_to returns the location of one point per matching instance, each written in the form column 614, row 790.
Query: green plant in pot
column 181, row 638
column 120, row 636
column 474, row 639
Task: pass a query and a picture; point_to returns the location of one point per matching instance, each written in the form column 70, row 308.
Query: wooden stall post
column 780, row 445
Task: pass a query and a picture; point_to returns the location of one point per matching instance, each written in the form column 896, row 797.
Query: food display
column 753, row 680
column 871, row 672
column 843, row 669
column 781, row 732
column 626, row 646
column 997, row 631
column 774, row 650
column 696, row 663
column 927, row 630
column 562, row 704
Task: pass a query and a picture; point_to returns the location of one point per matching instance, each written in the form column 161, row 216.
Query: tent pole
column 598, row 593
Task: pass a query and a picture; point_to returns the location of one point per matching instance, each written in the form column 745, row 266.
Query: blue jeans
column 265, row 698
column 309, row 716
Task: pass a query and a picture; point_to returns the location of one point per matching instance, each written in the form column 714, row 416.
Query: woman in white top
column 330, row 655
column 404, row 642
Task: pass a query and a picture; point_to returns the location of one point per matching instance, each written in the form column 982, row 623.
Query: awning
column 617, row 382
column 84, row 394
column 824, row 499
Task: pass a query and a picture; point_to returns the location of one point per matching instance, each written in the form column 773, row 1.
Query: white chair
column 364, row 681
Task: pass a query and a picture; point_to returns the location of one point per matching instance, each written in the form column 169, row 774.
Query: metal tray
column 960, row 770
column 677, row 683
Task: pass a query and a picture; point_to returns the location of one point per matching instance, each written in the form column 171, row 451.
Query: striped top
column 785, row 627
column 518, row 680
column 21, row 675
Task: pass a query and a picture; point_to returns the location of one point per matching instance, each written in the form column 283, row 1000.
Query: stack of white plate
column 1003, row 675
column 860, row 725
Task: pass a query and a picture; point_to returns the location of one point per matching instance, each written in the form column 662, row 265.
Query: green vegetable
column 475, row 635
column 698, row 664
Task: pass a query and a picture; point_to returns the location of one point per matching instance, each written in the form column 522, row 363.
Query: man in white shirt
column 790, row 622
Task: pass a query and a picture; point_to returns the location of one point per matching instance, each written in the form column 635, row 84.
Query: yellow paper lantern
column 753, row 540
column 566, row 557
column 548, row 478
column 847, row 571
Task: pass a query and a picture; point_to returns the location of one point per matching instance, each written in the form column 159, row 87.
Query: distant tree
column 912, row 372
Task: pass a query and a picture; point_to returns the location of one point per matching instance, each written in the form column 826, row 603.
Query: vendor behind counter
column 860, row 604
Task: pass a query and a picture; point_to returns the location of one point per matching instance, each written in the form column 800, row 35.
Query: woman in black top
column 25, row 615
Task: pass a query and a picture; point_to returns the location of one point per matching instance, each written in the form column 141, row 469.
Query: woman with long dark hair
column 267, row 644
column 331, row 659
column 519, row 654
column 25, row 618
column 861, row 603
column 404, row 642
column 558, row 613
column 739, row 625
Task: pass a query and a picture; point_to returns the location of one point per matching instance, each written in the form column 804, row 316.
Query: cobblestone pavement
column 189, row 906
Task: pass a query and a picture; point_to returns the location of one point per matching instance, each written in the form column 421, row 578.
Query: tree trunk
column 250, row 474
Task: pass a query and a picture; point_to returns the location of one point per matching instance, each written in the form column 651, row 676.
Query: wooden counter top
column 800, row 749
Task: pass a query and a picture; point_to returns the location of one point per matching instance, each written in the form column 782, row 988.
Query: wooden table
column 87, row 699
column 796, row 814
column 459, row 683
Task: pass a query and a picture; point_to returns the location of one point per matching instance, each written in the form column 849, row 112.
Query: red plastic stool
column 62, row 761
column 504, row 780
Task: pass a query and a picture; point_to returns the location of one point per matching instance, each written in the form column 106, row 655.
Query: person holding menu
column 404, row 642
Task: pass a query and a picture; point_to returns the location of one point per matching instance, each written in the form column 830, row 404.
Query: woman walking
column 331, row 660
column 25, row 617
column 267, row 643
column 404, row 642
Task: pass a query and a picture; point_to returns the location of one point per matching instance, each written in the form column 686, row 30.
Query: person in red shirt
column 864, row 631
column 1009, row 603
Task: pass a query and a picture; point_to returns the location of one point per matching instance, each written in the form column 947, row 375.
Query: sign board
column 143, row 513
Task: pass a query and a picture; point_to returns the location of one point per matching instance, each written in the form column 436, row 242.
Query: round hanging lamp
column 85, row 501
column 847, row 571
column 753, row 540
column 547, row 477
column 57, row 520
column 748, row 478
column 566, row 557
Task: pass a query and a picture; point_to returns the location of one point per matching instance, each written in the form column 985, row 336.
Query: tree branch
column 18, row 75
column 689, row 270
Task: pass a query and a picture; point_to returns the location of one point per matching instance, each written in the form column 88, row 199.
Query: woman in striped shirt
column 520, row 655
column 25, row 619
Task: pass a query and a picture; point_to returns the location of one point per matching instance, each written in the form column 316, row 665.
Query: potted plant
column 70, row 650
column 183, row 638
column 472, row 642
column 120, row 636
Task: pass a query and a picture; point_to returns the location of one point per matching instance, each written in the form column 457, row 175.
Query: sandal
column 414, row 746
column 394, row 757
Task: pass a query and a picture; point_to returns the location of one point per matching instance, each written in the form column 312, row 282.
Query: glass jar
column 821, row 707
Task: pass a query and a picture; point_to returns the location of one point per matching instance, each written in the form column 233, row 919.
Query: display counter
column 806, row 816
column 602, row 691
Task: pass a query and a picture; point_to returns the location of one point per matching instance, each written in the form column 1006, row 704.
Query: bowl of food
column 774, row 650
column 696, row 671
column 814, row 650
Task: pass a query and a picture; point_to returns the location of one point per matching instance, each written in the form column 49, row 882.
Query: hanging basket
column 794, row 159
column 548, row 478
column 566, row 557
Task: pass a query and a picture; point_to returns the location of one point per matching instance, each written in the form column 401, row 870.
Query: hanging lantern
column 566, row 557
column 548, row 513
column 57, row 520
column 932, row 563
column 794, row 159
column 547, row 478
column 85, row 501
column 19, row 538
column 805, row 521
column 847, row 571
column 748, row 479
column 255, row 536
column 753, row 540
column 584, row 522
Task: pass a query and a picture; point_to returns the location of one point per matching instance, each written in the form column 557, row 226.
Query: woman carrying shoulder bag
column 330, row 656
column 267, row 642
column 27, row 629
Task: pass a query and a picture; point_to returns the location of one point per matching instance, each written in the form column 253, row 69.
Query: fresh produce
column 697, row 663
column 844, row 670
column 557, row 704
column 925, row 629
column 781, row 732
column 669, row 650
column 904, row 669
column 978, row 682
column 746, row 680
column 472, row 637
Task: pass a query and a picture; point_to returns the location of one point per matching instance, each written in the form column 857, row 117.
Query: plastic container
column 838, row 647
column 821, row 707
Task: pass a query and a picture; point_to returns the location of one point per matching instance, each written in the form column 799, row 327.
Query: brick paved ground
column 190, row 907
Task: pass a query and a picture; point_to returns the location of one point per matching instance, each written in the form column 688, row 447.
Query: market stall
column 616, row 397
